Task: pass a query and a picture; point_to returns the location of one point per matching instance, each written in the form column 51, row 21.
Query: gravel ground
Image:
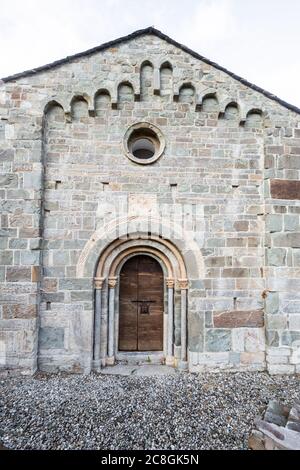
column 183, row 411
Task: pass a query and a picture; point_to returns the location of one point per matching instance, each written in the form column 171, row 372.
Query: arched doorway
column 174, row 284
column 141, row 305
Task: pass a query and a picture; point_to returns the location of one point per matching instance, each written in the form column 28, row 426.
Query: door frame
column 121, row 355
column 106, row 295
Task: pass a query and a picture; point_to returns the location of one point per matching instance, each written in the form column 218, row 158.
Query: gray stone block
column 235, row 358
column 6, row 258
column 9, row 181
column 277, row 419
column 51, row 338
column 291, row 222
column 82, row 296
column 30, row 258
column 196, row 332
column 218, row 340
column 287, row 239
column 75, row 284
column 274, row 223
column 272, row 338
column 276, row 257
column 32, row 180
column 272, row 303
column 289, row 337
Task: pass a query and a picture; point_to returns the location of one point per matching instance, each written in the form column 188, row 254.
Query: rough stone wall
column 283, row 248
column 20, row 242
column 61, row 142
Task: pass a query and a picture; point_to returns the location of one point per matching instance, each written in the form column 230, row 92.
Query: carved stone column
column 112, row 283
column 170, row 345
column 97, row 321
column 183, row 285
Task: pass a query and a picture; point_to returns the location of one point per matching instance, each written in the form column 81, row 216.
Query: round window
column 144, row 143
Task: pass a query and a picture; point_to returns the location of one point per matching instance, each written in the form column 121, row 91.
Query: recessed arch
column 232, row 112
column 187, row 93
column 125, row 92
column 132, row 251
column 79, row 108
column 166, row 79
column 254, row 118
column 54, row 114
column 210, row 103
column 166, row 65
column 129, row 229
column 143, row 244
column 102, row 101
column 148, row 253
column 146, row 80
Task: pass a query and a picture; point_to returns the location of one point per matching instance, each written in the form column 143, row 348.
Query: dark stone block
column 239, row 319
column 18, row 274
column 285, row 189
column 25, row 312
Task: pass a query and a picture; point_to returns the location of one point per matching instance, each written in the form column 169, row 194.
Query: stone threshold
column 148, row 370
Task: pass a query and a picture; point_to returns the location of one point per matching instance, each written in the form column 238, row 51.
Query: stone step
column 279, row 429
column 139, row 359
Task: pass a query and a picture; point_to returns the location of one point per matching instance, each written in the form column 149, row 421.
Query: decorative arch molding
column 53, row 116
column 227, row 102
column 50, row 104
column 111, row 263
column 103, row 258
column 132, row 254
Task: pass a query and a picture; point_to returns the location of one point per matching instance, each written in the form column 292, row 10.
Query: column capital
column 183, row 284
column 98, row 282
column 112, row 282
column 170, row 283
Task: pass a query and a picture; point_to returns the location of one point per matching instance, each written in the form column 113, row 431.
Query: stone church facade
column 150, row 205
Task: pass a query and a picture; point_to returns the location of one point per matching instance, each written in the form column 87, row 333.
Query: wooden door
column 141, row 305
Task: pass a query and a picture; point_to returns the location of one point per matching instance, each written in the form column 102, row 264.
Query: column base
column 170, row 361
column 110, row 361
column 96, row 366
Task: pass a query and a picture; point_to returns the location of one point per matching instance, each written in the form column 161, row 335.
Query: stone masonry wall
column 283, row 249
column 231, row 153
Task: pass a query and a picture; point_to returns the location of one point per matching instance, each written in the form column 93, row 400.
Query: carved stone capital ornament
column 112, row 282
column 170, row 283
column 98, row 282
column 183, row 284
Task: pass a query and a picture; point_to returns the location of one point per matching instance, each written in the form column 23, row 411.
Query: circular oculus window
column 144, row 143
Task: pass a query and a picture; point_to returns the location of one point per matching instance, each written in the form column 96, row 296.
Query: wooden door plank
column 127, row 309
column 150, row 287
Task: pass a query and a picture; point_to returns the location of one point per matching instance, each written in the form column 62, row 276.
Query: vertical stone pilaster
column 97, row 321
column 170, row 342
column 184, row 285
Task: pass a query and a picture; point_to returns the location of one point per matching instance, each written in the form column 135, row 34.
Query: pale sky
column 256, row 39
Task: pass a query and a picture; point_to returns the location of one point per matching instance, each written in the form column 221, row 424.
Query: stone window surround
column 158, row 141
